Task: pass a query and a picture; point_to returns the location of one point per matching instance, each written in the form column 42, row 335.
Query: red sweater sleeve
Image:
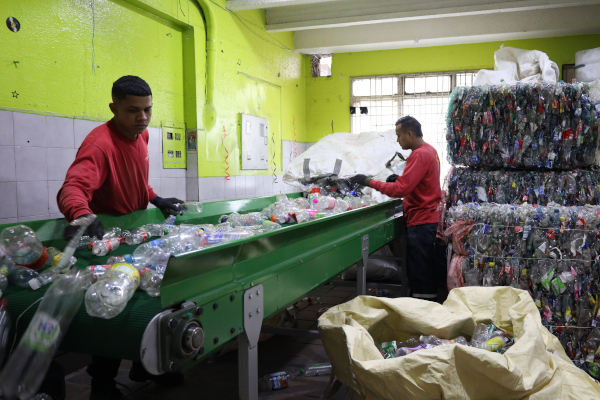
column 405, row 184
column 86, row 174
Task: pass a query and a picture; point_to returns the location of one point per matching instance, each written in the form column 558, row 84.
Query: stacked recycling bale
column 523, row 196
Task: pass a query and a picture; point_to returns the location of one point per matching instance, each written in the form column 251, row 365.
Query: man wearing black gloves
column 110, row 175
column 419, row 185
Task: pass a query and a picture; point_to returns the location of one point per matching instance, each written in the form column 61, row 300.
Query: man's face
column 132, row 114
column 403, row 137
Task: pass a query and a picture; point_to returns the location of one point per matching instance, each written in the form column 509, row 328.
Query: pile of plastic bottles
column 551, row 126
column 568, row 188
column 486, row 337
column 553, row 252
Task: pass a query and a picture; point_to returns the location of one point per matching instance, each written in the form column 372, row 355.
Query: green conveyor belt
column 287, row 262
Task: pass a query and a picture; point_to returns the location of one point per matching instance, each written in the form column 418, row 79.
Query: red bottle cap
column 316, row 190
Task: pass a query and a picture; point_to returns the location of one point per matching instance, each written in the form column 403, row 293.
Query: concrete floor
column 217, row 378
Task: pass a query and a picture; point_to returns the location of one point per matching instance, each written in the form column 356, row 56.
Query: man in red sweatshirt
column 419, row 185
column 110, row 175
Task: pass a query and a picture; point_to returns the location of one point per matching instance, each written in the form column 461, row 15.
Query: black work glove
column 95, row 229
column 170, row 205
column 392, row 178
column 361, row 180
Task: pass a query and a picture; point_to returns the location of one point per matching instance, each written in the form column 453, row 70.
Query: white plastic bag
column 365, row 153
column 512, row 65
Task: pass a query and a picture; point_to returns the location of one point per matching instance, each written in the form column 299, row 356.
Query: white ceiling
column 334, row 26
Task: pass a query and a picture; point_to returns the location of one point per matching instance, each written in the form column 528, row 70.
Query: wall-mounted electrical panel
column 255, row 142
column 174, row 144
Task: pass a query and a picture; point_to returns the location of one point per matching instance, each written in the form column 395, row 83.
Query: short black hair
column 410, row 124
column 130, row 85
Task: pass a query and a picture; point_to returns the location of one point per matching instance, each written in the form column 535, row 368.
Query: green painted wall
column 163, row 41
column 328, row 98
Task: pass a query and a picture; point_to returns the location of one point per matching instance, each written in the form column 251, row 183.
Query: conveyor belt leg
column 248, row 343
column 361, row 268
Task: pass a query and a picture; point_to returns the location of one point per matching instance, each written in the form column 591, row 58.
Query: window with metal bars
column 379, row 101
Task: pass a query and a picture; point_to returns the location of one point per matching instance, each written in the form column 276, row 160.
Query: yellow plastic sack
column 535, row 367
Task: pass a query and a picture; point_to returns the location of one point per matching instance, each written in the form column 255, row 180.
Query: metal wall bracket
column 248, row 341
column 361, row 270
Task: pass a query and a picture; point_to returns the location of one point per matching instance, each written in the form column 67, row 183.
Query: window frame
column 355, row 100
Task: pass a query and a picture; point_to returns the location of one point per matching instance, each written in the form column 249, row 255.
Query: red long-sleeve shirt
column 419, row 185
column 109, row 175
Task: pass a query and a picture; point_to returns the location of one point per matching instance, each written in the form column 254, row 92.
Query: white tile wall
column 7, row 137
column 31, row 163
column 8, row 199
column 7, row 172
column 81, row 128
column 36, row 152
column 32, row 198
column 59, row 132
column 53, row 188
column 59, row 161
column 29, row 129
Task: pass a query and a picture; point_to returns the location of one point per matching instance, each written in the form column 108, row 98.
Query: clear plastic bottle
column 193, row 207
column 317, row 369
column 210, row 238
column 494, row 344
column 20, row 276
column 25, row 370
column 23, row 246
column 138, row 236
column 324, row 203
column 270, row 225
column 108, row 297
column 150, row 256
column 150, row 281
column 102, row 248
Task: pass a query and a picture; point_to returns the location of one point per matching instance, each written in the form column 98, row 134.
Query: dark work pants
column 425, row 262
column 103, row 368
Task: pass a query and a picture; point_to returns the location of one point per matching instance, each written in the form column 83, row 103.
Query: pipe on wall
column 209, row 113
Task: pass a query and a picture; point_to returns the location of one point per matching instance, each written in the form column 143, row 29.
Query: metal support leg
column 361, row 270
column 248, row 341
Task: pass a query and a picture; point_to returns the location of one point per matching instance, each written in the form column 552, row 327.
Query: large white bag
column 587, row 65
column 512, row 65
column 365, row 153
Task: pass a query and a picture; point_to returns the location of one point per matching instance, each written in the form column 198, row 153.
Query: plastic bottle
column 20, row 276
column 23, row 246
column 324, row 203
column 102, row 248
column 275, row 381
column 150, row 281
column 27, row 365
column 270, row 226
column 138, row 236
column 317, row 369
column 494, row 344
column 108, row 297
column 150, row 256
column 5, row 324
column 210, row 238
column 193, row 207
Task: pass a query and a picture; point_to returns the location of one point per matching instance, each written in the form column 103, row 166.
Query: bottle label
column 39, row 262
column 129, row 270
column 42, row 333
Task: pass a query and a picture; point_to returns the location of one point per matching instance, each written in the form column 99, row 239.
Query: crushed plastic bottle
column 108, row 297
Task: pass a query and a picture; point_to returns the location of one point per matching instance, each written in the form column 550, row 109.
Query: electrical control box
column 174, row 144
column 255, row 142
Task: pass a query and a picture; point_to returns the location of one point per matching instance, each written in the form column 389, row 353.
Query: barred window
column 379, row 101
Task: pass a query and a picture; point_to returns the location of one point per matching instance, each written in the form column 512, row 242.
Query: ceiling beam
column 359, row 12
column 241, row 5
column 450, row 30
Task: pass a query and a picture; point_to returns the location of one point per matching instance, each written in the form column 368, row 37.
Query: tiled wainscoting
column 37, row 150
